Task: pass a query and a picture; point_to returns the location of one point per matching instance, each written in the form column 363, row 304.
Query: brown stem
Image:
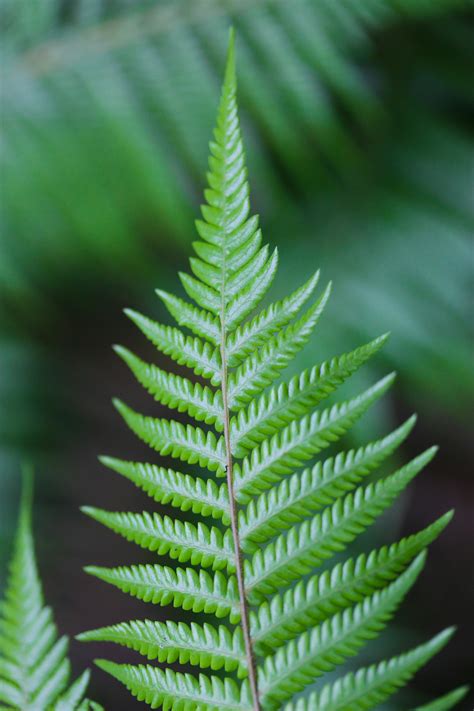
column 235, row 534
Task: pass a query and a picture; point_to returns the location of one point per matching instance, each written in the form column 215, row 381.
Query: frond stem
column 252, row 670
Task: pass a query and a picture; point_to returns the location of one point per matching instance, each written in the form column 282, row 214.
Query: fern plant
column 270, row 522
column 34, row 668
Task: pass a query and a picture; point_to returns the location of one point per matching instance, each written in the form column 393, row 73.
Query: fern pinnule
column 269, row 515
column 446, row 702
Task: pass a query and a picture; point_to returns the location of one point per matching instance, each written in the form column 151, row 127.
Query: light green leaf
column 182, row 541
column 202, row 645
column 188, row 443
column 183, row 491
column 183, row 587
column 179, row 691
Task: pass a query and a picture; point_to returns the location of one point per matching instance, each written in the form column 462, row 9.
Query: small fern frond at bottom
column 34, row 668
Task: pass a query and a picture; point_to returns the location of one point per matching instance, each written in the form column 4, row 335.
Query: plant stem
column 252, row 671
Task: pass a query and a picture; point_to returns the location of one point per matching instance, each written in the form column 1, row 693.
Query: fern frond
column 446, row 702
column 276, row 520
column 183, row 491
column 286, row 615
column 34, row 668
column 182, row 541
column 202, row 645
column 183, row 587
column 370, row 686
column 300, row 441
column 173, row 690
column 322, row 648
column 312, row 489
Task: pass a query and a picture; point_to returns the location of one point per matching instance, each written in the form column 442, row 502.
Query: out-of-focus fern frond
column 34, row 668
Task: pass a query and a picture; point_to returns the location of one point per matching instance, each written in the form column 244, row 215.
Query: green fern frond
column 276, row 521
column 34, row 668
column 444, row 703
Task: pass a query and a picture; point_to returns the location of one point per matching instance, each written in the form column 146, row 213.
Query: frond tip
column 251, row 557
column 34, row 668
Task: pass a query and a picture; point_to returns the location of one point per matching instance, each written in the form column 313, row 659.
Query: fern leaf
column 308, row 603
column 279, row 406
column 312, row 489
column 182, row 541
column 183, row 587
column 34, row 668
column 200, row 322
column 277, row 520
column 251, row 334
column 188, row 443
column 300, row 441
column 370, row 686
column 319, row 650
column 314, row 541
column 183, row 491
column 201, row 357
column 262, row 368
column 445, row 702
column 205, row 296
column 176, row 392
column 253, row 292
column 173, row 690
column 205, row 646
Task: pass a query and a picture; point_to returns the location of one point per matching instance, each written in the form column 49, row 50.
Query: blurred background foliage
column 358, row 123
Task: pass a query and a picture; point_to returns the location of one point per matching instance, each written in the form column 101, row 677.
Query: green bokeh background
column 358, row 123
